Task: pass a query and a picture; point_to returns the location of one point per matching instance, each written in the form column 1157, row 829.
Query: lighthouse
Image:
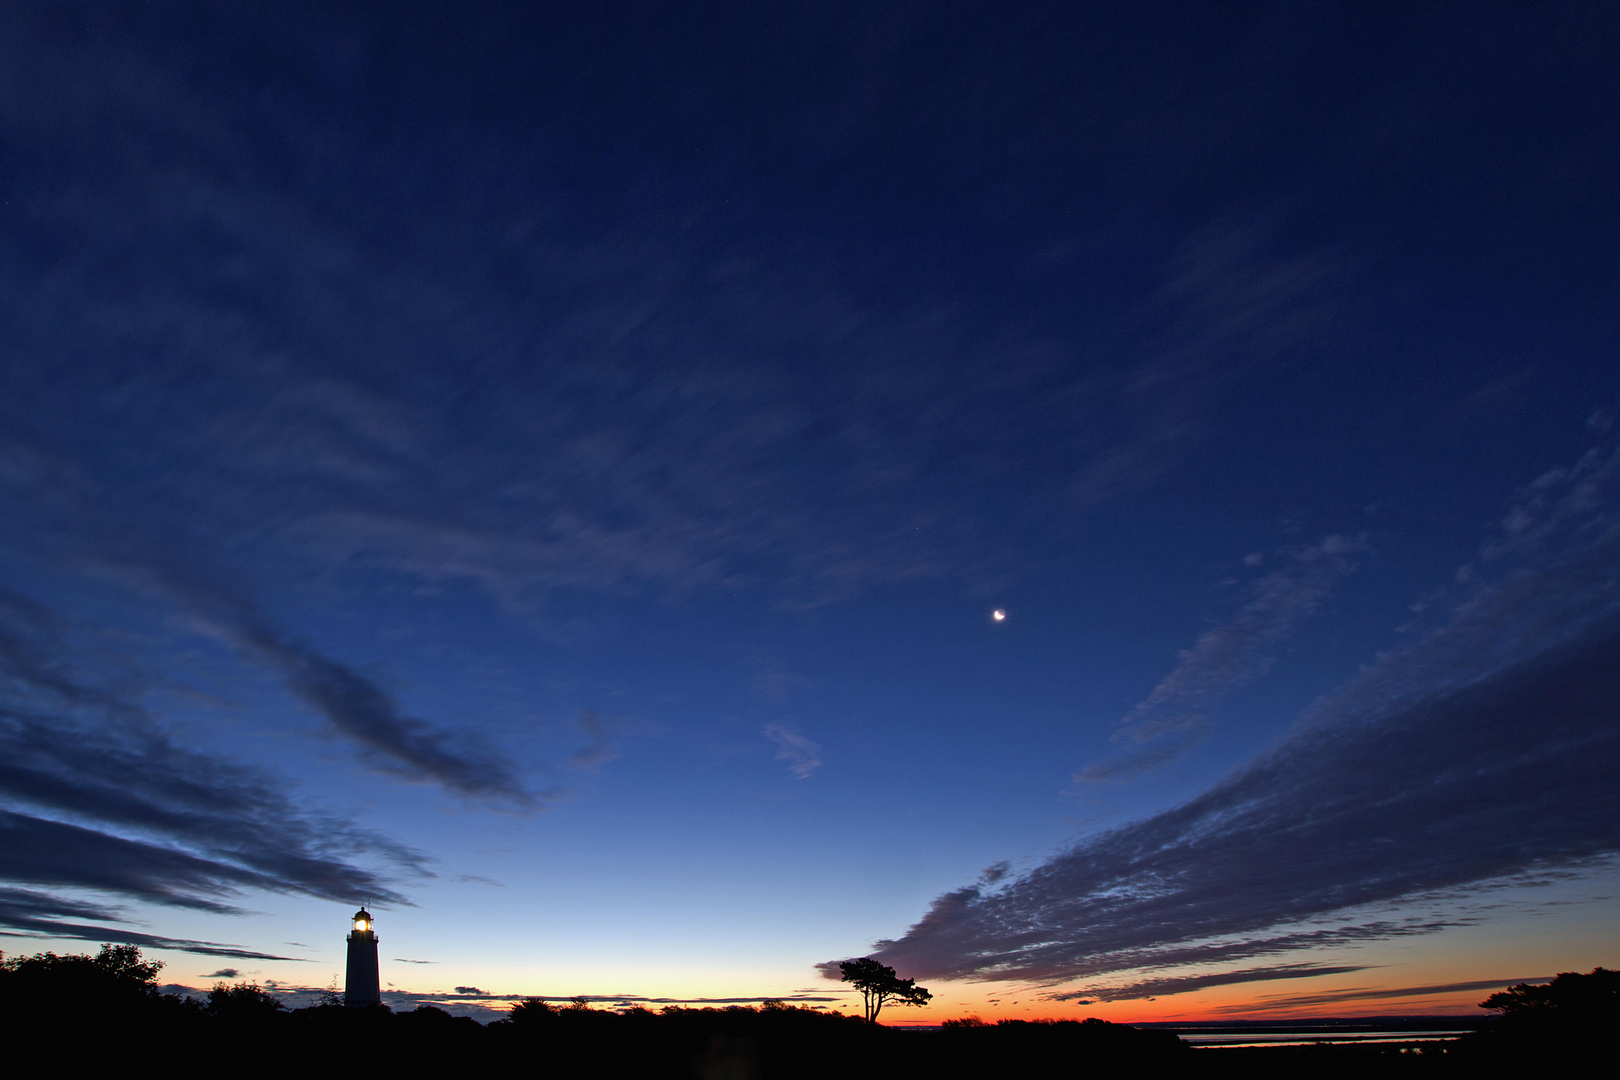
column 360, row 986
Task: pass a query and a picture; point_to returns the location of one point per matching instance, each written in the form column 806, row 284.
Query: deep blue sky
column 552, row 467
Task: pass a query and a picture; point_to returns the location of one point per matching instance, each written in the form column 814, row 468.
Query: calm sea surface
column 1302, row 1038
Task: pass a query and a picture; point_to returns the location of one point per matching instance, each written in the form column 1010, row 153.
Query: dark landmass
column 101, row 1010
column 106, row 1010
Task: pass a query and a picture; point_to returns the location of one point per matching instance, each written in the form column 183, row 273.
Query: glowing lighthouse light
column 361, row 985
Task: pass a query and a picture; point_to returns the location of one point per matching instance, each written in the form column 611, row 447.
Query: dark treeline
column 108, row 1006
column 84, row 1009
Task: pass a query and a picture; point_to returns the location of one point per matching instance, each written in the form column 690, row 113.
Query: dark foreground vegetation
column 83, row 1006
column 105, row 1009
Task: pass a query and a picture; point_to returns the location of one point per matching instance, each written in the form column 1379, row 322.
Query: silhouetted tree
column 432, row 1027
column 1573, row 1016
column 115, row 991
column 124, row 963
column 879, row 984
column 1596, row 993
column 116, row 973
column 531, row 1012
column 242, row 1003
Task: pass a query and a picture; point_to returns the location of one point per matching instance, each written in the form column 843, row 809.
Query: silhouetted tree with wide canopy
column 51, row 997
column 531, row 1012
column 879, row 984
column 1572, row 1016
column 115, row 975
column 1596, row 993
column 244, row 1003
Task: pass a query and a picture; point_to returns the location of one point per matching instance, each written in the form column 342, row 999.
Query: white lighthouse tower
column 360, row 985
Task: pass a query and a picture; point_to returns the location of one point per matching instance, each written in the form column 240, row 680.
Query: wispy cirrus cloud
column 526, row 401
column 1483, row 751
column 1275, row 1003
column 1226, row 309
column 1175, row 715
column 582, row 402
column 97, row 535
column 369, row 716
column 1164, row 986
column 802, row 755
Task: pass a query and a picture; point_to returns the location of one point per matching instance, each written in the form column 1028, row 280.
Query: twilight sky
column 547, row 471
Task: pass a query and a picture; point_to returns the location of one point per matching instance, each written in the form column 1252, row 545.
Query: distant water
column 1377, row 1029
column 1211, row 1040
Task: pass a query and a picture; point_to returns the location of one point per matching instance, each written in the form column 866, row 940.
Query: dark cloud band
column 95, row 795
column 1181, row 984
column 1336, row 997
column 1468, row 758
column 33, row 914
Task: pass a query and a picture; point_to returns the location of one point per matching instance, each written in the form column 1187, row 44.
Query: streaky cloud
column 1175, row 715
column 598, row 748
column 100, row 536
column 132, row 777
column 367, row 714
column 32, row 914
column 1484, row 751
column 802, row 755
column 1227, row 307
column 1181, row 984
column 96, row 795
column 1335, row 997
column 355, row 706
column 43, row 852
